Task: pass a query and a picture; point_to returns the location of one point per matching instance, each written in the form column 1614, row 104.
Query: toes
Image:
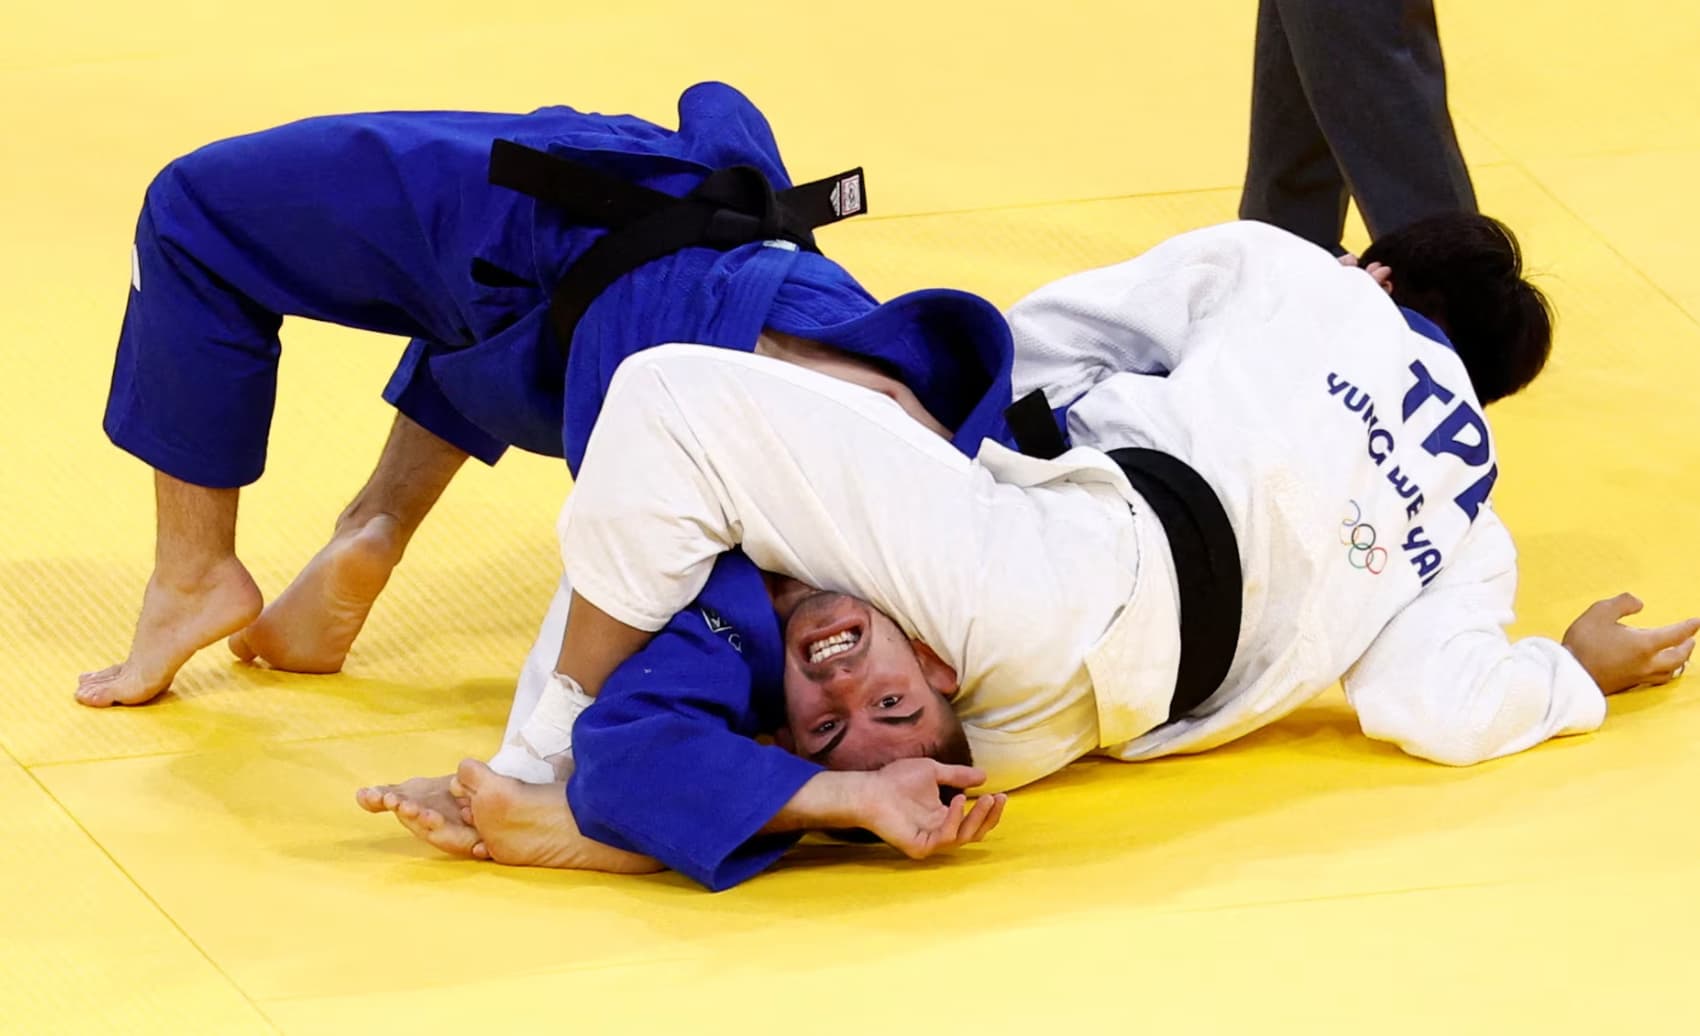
column 455, row 839
column 118, row 689
column 98, row 676
column 241, row 645
column 97, row 695
column 372, row 799
column 94, row 689
column 470, row 779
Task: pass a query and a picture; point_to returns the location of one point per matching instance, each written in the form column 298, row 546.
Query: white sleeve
column 1141, row 315
column 1444, row 682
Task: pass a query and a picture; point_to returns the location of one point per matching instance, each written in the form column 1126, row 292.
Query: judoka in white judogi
column 1340, row 433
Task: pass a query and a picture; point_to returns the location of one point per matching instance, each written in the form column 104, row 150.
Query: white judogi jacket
column 1354, row 463
column 1347, row 449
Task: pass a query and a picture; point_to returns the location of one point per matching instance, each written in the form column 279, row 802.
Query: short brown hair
column 954, row 750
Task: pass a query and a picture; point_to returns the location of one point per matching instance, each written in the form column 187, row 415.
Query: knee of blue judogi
column 195, row 376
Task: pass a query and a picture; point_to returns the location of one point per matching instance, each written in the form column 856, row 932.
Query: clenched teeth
column 829, row 647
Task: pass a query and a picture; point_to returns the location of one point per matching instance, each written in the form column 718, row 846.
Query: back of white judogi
column 1349, row 450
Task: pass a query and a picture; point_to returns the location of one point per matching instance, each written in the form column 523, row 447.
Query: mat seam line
column 166, row 754
column 172, row 921
column 1522, row 166
column 1089, row 200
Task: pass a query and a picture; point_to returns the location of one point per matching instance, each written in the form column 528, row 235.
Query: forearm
column 1478, row 697
column 828, row 800
column 594, row 644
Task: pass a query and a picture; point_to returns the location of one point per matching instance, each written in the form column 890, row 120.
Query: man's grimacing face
column 858, row 693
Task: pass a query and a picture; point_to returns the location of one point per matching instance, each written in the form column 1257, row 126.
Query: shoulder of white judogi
column 1443, row 680
column 1140, row 315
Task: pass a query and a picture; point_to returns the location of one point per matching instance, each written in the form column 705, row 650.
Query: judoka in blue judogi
column 390, row 222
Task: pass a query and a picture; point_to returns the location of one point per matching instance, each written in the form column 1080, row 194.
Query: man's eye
column 890, row 701
column 826, row 728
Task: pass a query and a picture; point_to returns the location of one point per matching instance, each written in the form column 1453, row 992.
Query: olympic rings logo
column 1358, row 537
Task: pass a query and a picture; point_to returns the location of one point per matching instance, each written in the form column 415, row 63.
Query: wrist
column 841, row 798
column 1601, row 679
column 829, row 799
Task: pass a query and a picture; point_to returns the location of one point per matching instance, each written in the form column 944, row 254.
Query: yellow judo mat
column 200, row 866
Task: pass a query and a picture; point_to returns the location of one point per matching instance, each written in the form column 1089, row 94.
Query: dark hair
column 1464, row 271
column 954, row 750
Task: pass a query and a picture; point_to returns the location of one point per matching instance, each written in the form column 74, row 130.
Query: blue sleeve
column 667, row 765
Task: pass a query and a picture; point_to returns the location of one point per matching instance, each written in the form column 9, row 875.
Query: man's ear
column 782, row 737
column 938, row 674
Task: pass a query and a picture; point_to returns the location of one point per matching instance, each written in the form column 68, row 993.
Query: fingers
column 1621, row 606
column 1348, row 260
column 953, row 818
column 1669, row 636
column 947, row 776
column 981, row 819
column 963, row 825
column 937, row 835
column 1664, row 666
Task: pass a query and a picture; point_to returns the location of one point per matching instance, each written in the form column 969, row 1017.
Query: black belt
column 1201, row 541
column 731, row 207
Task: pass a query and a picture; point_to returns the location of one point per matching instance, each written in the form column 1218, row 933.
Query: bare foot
column 530, row 825
column 312, row 624
column 177, row 620
column 427, row 809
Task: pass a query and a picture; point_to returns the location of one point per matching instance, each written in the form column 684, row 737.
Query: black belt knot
column 731, row 207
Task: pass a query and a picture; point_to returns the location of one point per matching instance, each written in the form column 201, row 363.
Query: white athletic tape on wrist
column 516, row 761
column 548, row 734
column 542, row 750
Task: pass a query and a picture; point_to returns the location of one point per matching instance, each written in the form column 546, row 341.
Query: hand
column 1619, row 657
column 1381, row 272
column 900, row 803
